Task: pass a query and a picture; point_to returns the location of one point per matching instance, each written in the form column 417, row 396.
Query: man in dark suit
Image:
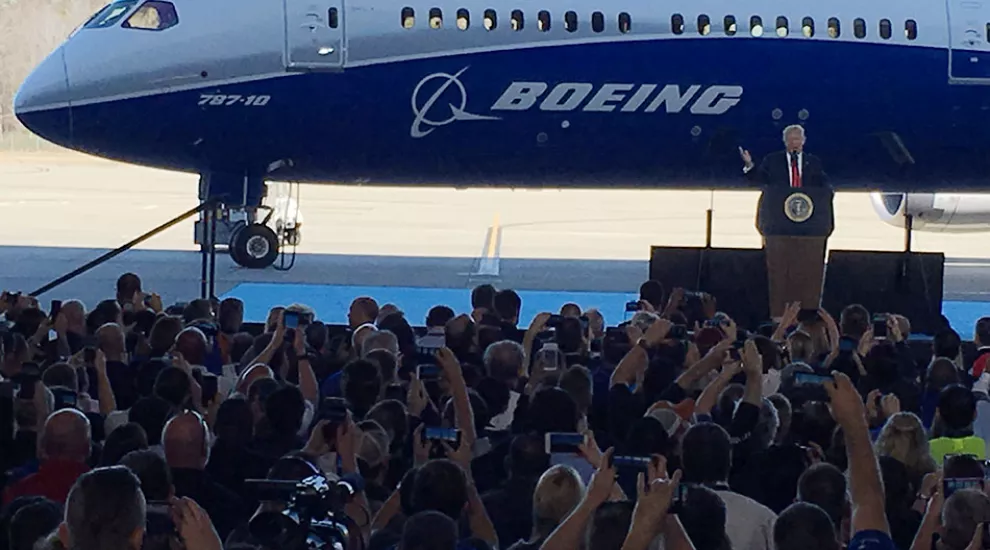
column 795, row 260
column 791, row 167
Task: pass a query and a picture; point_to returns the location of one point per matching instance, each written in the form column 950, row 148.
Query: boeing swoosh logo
column 422, row 111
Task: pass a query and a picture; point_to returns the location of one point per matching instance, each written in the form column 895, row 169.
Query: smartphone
column 847, row 344
column 65, row 398
column 632, row 307
column 52, row 335
column 555, row 320
column 734, row 354
column 560, row 442
column 428, row 372
column 680, row 497
column 953, row 484
column 635, row 463
column 55, row 309
column 880, row 325
column 678, row 332
column 810, row 378
column 334, row 411
column 549, row 357
column 89, row 355
column 435, row 433
column 585, row 322
column 291, row 319
column 209, row 384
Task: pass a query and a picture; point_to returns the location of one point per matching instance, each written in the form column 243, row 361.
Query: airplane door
column 314, row 35
column 969, row 41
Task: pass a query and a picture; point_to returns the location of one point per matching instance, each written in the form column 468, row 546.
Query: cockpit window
column 110, row 15
column 154, row 15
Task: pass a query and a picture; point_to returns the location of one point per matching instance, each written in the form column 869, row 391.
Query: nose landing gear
column 254, row 241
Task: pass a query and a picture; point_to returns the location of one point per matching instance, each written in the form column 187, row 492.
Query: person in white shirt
column 707, row 459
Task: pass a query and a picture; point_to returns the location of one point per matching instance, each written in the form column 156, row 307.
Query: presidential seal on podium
column 799, row 207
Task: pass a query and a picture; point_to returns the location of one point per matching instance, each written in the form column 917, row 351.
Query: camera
column 313, row 518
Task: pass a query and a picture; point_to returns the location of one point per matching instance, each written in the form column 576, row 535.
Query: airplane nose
column 42, row 101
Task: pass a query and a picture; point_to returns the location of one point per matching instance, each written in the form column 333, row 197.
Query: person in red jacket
column 64, row 448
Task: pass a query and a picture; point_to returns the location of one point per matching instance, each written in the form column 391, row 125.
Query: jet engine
column 943, row 212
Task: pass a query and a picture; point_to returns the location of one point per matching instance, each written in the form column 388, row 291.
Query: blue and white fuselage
column 894, row 95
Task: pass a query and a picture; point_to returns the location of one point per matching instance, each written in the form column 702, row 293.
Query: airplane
column 561, row 94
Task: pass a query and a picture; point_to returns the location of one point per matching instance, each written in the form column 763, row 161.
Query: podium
column 795, row 224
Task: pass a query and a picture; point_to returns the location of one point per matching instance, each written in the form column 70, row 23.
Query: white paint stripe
column 160, row 91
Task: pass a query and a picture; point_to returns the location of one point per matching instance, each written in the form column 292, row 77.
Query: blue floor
column 331, row 302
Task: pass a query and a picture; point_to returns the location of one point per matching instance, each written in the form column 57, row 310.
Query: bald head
column 185, row 442
column 66, row 437
column 254, row 372
column 192, row 344
column 111, row 339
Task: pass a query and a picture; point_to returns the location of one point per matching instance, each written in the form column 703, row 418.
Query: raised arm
column 865, row 485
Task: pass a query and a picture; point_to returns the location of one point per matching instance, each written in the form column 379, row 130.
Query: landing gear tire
column 254, row 246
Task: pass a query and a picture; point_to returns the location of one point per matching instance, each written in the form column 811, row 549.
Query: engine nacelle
column 944, row 212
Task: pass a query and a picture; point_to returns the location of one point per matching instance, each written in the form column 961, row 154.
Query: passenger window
column 910, row 29
column 885, row 31
column 491, row 20
column 436, row 18
column 153, row 16
column 859, row 28
column 625, row 23
column 517, row 20
column 463, row 19
column 677, row 23
column 598, row 21
column 756, row 26
column 110, row 15
column 782, row 26
column 408, row 18
column 704, row 25
column 570, row 21
column 543, row 21
column 834, row 31
column 729, row 24
column 333, row 19
column 808, row 27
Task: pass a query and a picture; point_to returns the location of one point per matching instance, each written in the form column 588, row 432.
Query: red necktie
column 795, row 173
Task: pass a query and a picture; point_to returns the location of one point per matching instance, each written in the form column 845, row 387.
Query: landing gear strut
column 254, row 241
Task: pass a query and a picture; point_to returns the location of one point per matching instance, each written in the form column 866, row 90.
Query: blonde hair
column 903, row 438
column 558, row 492
column 793, row 128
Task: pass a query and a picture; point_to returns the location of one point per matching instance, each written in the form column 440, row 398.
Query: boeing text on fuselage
column 429, row 112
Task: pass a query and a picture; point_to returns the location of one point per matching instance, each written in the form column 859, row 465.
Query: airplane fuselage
column 635, row 95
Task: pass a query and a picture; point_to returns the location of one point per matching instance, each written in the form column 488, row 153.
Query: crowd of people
column 134, row 426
